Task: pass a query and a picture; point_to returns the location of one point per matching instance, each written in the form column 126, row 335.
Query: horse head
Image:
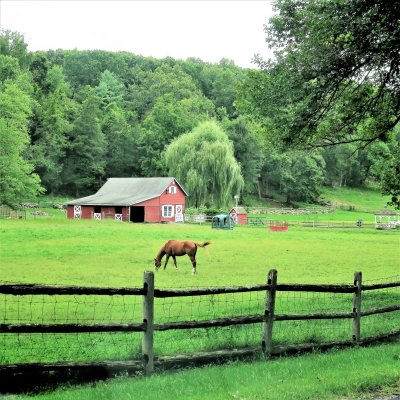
column 157, row 264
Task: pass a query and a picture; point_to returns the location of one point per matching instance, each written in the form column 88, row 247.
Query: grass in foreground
column 330, row 375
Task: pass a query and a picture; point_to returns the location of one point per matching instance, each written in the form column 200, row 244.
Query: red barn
column 239, row 215
column 134, row 200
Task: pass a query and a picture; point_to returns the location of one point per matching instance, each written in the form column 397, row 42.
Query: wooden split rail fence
column 148, row 326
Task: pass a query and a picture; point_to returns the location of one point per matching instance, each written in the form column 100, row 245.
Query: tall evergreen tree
column 85, row 160
column 110, row 89
column 122, row 154
column 52, row 130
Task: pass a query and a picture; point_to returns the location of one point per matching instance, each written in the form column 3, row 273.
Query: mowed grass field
column 108, row 253
column 361, row 198
column 54, row 250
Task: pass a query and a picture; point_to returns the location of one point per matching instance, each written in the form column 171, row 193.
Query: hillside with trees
column 71, row 119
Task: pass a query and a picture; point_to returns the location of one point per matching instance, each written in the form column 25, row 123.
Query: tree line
column 71, row 119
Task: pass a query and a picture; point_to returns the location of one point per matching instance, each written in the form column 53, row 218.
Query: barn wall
column 152, row 214
column 70, row 212
column 153, row 207
column 106, row 212
column 152, row 210
column 178, row 198
column 87, row 212
column 125, row 214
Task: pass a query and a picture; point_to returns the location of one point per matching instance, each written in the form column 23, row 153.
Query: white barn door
column 179, row 213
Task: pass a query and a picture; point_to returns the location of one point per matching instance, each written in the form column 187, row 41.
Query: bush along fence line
column 45, row 328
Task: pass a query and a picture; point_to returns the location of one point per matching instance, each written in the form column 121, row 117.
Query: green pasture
column 55, row 250
column 361, row 198
column 109, row 253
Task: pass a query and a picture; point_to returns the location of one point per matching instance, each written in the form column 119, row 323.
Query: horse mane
column 161, row 253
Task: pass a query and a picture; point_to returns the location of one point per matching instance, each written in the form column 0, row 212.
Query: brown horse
column 175, row 248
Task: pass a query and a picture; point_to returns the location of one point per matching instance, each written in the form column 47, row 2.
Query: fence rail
column 149, row 324
column 253, row 221
column 34, row 289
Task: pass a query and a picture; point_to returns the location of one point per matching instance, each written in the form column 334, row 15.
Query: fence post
column 269, row 313
column 357, row 307
column 148, row 320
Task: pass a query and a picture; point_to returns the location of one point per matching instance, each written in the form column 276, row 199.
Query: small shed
column 222, row 221
column 239, row 215
column 386, row 219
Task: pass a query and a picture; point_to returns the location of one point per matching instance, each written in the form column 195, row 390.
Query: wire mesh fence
column 312, row 331
column 205, row 308
column 379, row 298
column 31, row 310
column 48, row 309
column 295, row 321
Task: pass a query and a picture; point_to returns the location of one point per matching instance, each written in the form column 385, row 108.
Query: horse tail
column 202, row 244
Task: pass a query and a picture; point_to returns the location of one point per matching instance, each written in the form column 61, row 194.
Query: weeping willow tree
column 203, row 162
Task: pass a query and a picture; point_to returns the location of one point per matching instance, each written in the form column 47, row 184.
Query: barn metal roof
column 127, row 191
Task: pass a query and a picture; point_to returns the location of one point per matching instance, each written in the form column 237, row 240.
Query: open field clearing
column 359, row 198
column 108, row 253
column 114, row 254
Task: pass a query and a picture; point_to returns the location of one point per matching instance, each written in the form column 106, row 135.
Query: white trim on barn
column 168, row 211
column 77, row 212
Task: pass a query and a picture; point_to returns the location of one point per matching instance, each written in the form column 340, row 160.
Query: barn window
column 168, row 211
column 97, row 209
column 172, row 190
column 118, row 210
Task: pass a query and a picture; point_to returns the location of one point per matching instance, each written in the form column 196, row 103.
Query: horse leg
column 166, row 260
column 176, row 266
column 193, row 260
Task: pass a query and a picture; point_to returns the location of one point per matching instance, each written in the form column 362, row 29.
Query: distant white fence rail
column 290, row 211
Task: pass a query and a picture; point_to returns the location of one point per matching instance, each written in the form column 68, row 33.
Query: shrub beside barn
column 133, row 199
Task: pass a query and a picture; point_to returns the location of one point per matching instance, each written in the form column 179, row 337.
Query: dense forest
column 71, row 119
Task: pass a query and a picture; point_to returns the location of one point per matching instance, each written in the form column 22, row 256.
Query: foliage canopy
column 203, row 161
column 335, row 78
